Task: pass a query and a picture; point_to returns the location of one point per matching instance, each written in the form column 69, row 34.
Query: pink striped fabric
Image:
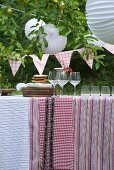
column 83, row 133
column 34, row 135
column 94, row 133
column 112, row 137
column 63, row 134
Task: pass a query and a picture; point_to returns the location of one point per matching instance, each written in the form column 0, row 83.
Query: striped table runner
column 63, row 134
column 34, row 135
column 94, row 133
column 83, row 134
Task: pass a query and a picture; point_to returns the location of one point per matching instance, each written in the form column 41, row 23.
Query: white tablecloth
column 14, row 133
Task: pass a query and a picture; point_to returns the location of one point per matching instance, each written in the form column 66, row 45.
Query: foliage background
column 69, row 16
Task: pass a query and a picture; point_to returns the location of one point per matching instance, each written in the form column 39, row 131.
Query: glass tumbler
column 95, row 91
column 113, row 91
column 85, row 91
column 105, row 91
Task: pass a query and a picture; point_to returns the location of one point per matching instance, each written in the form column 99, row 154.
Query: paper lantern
column 100, row 19
column 29, row 27
column 56, row 43
column 51, row 29
column 95, row 42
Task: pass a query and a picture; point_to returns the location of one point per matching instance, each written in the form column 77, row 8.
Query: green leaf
column 41, row 30
column 23, row 62
column 45, row 42
column 40, row 52
column 97, row 66
column 19, row 46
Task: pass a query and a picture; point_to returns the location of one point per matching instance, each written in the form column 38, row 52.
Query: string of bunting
column 63, row 58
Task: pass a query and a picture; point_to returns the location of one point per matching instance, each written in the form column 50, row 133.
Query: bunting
column 89, row 61
column 64, row 58
column 109, row 47
column 14, row 66
column 40, row 64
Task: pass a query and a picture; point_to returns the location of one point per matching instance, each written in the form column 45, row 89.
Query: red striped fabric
column 63, row 133
column 83, row 133
column 34, row 135
column 112, row 134
column 94, row 133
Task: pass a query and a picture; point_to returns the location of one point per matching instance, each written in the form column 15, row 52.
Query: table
column 83, row 133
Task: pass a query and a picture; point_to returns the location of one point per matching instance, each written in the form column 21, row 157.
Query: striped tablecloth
column 83, row 134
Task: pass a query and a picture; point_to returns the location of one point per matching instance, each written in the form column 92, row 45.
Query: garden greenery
column 68, row 16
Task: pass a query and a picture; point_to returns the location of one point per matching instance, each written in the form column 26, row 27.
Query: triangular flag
column 14, row 65
column 89, row 61
column 81, row 50
column 40, row 64
column 64, row 58
column 109, row 47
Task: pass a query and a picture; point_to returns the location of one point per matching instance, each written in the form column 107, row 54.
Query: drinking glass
column 85, row 91
column 62, row 79
column 95, row 91
column 105, row 91
column 52, row 78
column 112, row 90
column 75, row 79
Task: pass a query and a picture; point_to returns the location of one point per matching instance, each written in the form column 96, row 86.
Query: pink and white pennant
column 64, row 58
column 14, row 66
column 89, row 61
column 109, row 47
column 40, row 64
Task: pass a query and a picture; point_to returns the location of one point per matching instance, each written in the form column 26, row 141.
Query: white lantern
column 31, row 26
column 56, row 43
column 50, row 29
column 100, row 19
